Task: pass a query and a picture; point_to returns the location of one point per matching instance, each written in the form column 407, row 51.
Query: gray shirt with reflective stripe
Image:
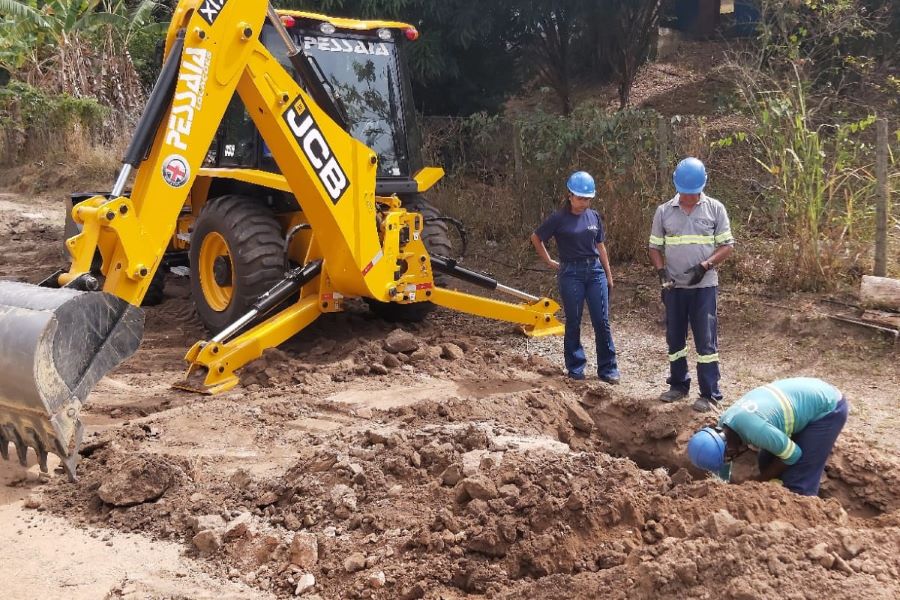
column 689, row 239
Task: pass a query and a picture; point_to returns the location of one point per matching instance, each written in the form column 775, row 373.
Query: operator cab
column 363, row 66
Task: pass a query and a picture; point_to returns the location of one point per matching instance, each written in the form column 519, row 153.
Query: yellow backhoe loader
column 317, row 218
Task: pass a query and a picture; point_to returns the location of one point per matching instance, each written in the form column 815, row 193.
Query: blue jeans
column 815, row 441
column 580, row 281
column 694, row 307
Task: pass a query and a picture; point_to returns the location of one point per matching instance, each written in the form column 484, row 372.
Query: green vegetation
column 524, row 180
column 474, row 55
column 34, row 122
column 801, row 85
column 797, row 171
column 71, row 50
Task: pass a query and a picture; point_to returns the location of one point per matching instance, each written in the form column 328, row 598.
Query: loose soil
column 445, row 460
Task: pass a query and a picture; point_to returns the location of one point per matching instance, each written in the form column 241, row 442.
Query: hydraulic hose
column 314, row 82
column 156, row 106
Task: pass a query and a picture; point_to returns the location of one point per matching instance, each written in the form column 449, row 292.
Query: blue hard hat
column 706, row 449
column 581, row 184
column 690, row 176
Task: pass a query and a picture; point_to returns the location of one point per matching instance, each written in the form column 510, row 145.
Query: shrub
column 38, row 123
column 507, row 173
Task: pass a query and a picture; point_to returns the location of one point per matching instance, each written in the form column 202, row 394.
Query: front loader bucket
column 55, row 345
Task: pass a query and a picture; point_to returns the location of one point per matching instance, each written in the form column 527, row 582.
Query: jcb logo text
column 317, row 150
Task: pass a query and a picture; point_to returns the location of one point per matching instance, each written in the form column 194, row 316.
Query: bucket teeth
column 42, row 448
column 55, row 345
column 70, row 460
column 21, row 449
column 9, row 433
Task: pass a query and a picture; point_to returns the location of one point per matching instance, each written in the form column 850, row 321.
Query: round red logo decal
column 176, row 171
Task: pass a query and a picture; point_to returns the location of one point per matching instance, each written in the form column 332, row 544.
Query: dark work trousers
column 580, row 281
column 816, row 441
column 695, row 307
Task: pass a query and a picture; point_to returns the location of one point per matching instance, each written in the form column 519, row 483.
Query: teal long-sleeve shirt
column 768, row 417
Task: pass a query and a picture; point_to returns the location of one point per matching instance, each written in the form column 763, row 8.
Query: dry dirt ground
column 446, row 460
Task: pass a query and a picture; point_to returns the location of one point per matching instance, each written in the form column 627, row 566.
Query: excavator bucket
column 55, row 345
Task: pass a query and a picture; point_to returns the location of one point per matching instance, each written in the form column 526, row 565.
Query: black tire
column 254, row 243
column 156, row 292
column 437, row 241
column 434, row 233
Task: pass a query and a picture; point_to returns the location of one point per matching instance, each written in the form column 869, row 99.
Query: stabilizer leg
column 537, row 318
column 219, row 358
column 220, row 361
column 536, row 315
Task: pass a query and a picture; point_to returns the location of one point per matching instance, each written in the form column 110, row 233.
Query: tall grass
column 820, row 180
column 814, row 212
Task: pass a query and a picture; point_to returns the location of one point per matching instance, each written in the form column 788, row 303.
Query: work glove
column 696, row 272
column 664, row 281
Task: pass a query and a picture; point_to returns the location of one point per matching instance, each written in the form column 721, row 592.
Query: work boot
column 706, row 404
column 575, row 376
column 673, row 395
column 610, row 379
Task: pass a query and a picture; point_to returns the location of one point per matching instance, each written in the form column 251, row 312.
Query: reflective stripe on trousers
column 703, row 358
column 694, row 308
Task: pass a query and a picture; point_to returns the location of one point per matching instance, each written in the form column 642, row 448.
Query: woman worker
column 583, row 274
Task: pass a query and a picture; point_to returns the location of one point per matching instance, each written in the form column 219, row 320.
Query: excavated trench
column 862, row 479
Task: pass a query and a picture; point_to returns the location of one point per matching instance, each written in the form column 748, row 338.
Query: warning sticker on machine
column 418, row 287
column 372, row 263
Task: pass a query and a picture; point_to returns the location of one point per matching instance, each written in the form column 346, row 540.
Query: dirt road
column 445, row 460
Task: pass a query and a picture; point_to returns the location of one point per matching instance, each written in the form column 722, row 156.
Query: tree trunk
column 626, row 79
column 880, row 292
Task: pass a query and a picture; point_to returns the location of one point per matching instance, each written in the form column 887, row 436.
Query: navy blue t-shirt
column 576, row 236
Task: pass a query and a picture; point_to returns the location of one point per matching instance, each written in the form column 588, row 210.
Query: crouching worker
column 792, row 422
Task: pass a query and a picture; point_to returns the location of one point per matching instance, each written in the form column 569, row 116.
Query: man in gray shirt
column 690, row 236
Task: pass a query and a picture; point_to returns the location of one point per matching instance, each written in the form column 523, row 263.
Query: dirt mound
column 429, row 501
column 775, row 560
column 862, row 477
column 504, row 483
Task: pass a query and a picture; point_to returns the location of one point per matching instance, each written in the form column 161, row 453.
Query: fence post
column 883, row 201
column 662, row 142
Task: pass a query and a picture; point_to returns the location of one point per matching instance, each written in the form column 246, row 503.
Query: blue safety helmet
column 690, row 176
column 706, row 449
column 581, row 184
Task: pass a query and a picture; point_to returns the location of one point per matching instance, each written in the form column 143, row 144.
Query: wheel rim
column 214, row 247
